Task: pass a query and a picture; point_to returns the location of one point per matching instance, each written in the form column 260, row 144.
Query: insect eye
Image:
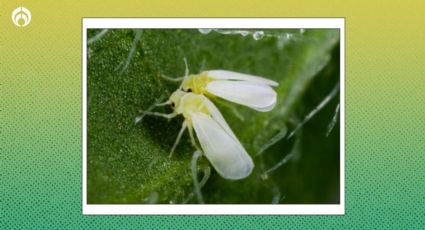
column 173, row 104
column 189, row 90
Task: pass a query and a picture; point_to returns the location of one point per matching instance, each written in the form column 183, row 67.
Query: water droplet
column 257, row 35
column 302, row 31
column 244, row 33
column 289, row 36
column 204, row 31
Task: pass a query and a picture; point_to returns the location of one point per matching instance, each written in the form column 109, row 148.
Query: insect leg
column 179, row 136
column 139, row 118
column 192, row 139
column 168, row 116
column 162, row 104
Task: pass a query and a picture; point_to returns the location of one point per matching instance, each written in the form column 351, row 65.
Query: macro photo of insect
column 213, row 116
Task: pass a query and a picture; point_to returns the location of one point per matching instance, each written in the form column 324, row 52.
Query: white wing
column 225, row 153
column 256, row 96
column 216, row 115
column 229, row 75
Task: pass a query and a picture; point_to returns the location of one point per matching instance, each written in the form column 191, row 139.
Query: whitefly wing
column 216, row 115
column 225, row 153
column 230, row 75
column 256, row 96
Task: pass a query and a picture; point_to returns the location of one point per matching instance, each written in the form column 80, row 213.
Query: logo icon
column 21, row 16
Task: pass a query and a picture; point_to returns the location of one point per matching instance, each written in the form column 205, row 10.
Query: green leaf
column 128, row 162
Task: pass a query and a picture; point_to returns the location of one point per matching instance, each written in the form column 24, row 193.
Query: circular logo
column 21, row 16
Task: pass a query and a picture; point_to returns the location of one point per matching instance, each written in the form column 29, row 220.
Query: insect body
column 219, row 144
column 252, row 91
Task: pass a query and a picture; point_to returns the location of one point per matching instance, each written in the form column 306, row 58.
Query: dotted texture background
column 40, row 71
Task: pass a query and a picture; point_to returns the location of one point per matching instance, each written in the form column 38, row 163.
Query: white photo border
column 214, row 209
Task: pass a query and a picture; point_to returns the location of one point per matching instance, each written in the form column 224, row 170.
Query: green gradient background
column 40, row 71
